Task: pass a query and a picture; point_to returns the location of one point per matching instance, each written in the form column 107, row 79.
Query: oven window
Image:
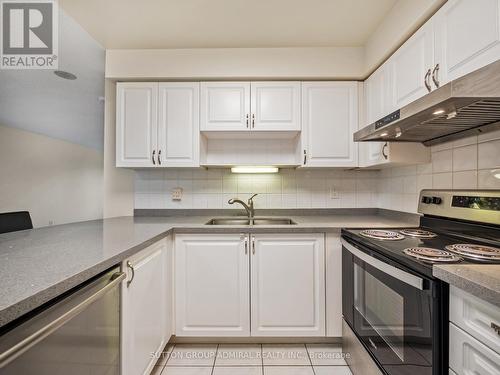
column 381, row 307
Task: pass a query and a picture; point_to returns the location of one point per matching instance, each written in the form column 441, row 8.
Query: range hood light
column 438, row 112
column 451, row 115
column 254, row 169
column 384, row 135
column 496, row 173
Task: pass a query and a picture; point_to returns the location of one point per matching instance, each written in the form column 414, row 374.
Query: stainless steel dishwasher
column 77, row 334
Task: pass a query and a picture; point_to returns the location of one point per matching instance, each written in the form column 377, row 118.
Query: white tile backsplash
column 471, row 163
column 288, row 189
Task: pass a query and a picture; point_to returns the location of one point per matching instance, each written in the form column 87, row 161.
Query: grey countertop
column 481, row 280
column 40, row 264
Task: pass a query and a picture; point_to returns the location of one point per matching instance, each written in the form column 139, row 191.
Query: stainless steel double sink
column 254, row 221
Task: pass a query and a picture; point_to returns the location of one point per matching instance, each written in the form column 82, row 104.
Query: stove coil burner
column 477, row 252
column 382, row 234
column 432, row 255
column 419, row 233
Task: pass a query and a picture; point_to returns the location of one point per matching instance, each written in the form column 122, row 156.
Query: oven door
column 391, row 312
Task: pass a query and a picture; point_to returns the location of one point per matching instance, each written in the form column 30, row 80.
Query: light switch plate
column 177, row 194
column 334, row 194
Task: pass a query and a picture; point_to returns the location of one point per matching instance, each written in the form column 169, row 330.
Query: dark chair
column 14, row 221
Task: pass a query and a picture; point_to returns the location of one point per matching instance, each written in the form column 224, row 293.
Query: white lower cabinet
column 474, row 338
column 225, row 281
column 470, row 356
column 144, row 310
column 212, row 285
column 288, row 284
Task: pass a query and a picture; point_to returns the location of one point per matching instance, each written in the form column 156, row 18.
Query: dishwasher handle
column 78, row 302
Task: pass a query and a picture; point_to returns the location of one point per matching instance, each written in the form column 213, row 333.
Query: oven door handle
column 77, row 303
column 401, row 275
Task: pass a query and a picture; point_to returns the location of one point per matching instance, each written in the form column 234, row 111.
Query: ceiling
column 130, row 24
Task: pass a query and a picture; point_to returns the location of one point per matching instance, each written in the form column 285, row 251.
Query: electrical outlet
column 334, row 194
column 177, row 194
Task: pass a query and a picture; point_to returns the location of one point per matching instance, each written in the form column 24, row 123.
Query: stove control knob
column 426, row 200
column 436, row 200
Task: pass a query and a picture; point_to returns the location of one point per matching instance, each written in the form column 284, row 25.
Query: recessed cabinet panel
column 467, row 37
column 136, row 124
column 225, row 106
column 212, row 285
column 179, row 132
column 288, row 285
column 330, row 118
column 410, row 65
column 275, row 106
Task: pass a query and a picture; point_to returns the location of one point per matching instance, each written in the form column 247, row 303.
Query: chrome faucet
column 247, row 206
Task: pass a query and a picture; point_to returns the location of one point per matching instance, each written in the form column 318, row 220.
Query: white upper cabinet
column 225, row 106
column 330, row 118
column 244, row 106
column 136, row 124
column 178, row 124
column 157, row 124
column 467, row 37
column 288, row 285
column 411, row 67
column 275, row 106
column 212, row 285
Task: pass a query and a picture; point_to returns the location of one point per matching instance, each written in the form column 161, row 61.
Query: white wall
column 235, row 63
column 470, row 163
column 57, row 181
column 51, row 134
column 118, row 191
column 290, row 188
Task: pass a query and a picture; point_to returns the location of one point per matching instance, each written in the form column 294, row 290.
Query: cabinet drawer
column 475, row 316
column 469, row 356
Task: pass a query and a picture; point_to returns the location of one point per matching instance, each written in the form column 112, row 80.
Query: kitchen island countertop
column 38, row 265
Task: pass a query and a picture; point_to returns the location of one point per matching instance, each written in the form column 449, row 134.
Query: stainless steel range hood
column 466, row 106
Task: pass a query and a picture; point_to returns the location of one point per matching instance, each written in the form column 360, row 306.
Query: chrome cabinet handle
column 247, row 117
column 384, row 147
column 435, row 78
column 305, row 157
column 253, row 245
column 159, row 157
column 131, row 267
column 153, row 157
column 246, row 245
column 253, row 120
column 59, row 314
column 426, row 80
column 496, row 327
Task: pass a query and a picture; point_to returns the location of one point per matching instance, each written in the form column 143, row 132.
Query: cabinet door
column 467, row 37
column 212, row 285
column 470, row 356
column 136, row 124
column 143, row 310
column 288, row 285
column 330, row 118
column 179, row 124
column 225, row 106
column 275, row 106
column 410, row 64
